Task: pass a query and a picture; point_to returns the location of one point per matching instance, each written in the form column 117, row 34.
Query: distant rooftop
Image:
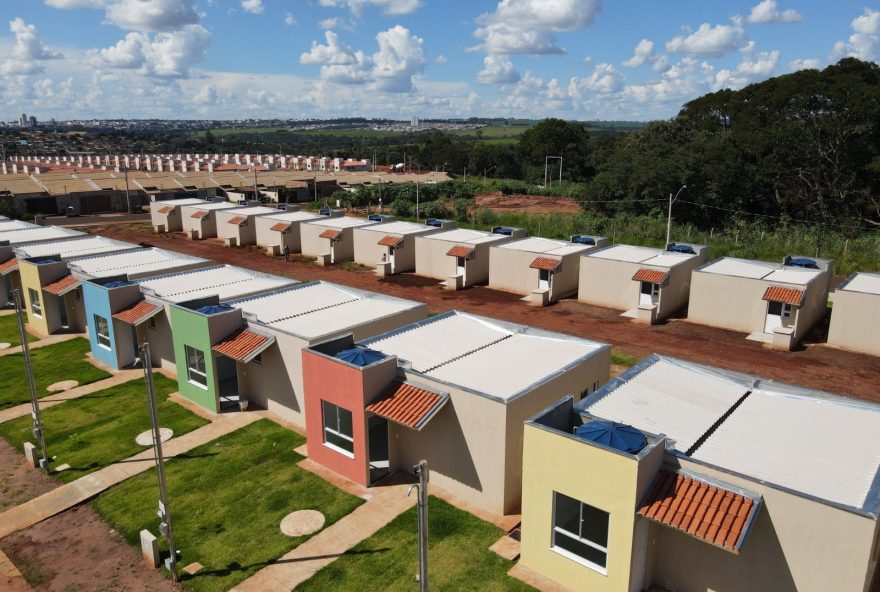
column 38, row 233
column 70, row 249
column 253, row 211
column 183, row 201
column 867, row 283
column 8, row 224
column 214, row 205
column 140, row 262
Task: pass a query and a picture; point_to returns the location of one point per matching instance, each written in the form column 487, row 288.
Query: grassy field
column 458, row 557
column 227, row 500
column 622, row 359
column 9, row 331
column 53, row 363
column 99, row 429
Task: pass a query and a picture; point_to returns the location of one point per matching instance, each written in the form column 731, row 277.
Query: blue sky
column 236, row 59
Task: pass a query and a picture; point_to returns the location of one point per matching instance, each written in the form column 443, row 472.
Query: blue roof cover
column 506, row 230
column 583, row 239
column 676, row 248
column 324, row 212
column 117, row 284
column 214, row 309
column 376, row 217
column 434, row 222
column 44, row 261
column 360, row 356
column 618, row 436
column 803, row 262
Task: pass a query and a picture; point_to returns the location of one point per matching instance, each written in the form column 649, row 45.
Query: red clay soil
column 815, row 365
column 18, row 483
column 498, row 202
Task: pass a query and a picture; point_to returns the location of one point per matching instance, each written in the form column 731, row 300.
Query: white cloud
column 683, row 81
column 334, row 53
column 804, row 64
column 441, row 59
column 528, row 26
column 29, row 53
column 644, row 54
column 604, row 80
column 864, row 43
column 289, row 20
column 753, row 67
column 162, row 55
column 329, row 23
column 76, row 3
column 497, row 70
column 709, row 41
column 208, row 95
column 767, row 11
column 390, row 7
column 253, row 6
column 151, row 15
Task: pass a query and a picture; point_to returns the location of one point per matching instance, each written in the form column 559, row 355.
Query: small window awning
column 138, row 313
column 390, row 241
column 784, row 295
column 652, row 276
column 331, row 234
column 200, row 214
column 244, row 345
column 545, row 263
column 717, row 514
column 281, row 227
column 465, row 251
column 238, row 220
column 62, row 286
column 408, row 405
column 8, row 266
column 166, row 209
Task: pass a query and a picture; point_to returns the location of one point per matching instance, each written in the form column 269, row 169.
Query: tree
column 555, row 137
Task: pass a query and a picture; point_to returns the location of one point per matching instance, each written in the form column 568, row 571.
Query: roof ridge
column 468, row 353
column 717, row 424
column 313, row 310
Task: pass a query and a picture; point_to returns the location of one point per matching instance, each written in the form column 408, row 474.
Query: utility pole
column 421, row 470
column 164, row 512
column 32, row 387
column 256, row 192
column 669, row 217
column 127, row 196
column 546, row 161
column 417, row 201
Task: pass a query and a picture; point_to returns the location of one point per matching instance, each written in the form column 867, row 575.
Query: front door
column 332, row 251
column 62, row 312
column 776, row 311
column 459, row 265
column 543, row 279
column 380, row 458
column 227, row 381
column 391, row 251
column 649, row 294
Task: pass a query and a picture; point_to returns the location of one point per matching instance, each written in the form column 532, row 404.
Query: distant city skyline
column 405, row 59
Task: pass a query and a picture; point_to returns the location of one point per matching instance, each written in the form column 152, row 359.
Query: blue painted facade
column 96, row 300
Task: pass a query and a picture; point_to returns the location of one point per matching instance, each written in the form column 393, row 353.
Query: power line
column 809, row 222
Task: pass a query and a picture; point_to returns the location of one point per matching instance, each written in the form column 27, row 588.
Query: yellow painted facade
column 30, row 280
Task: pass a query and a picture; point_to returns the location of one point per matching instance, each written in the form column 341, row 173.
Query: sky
column 253, row 59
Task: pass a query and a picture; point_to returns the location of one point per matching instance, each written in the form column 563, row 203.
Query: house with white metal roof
column 249, row 350
column 648, row 284
column 9, row 239
column 166, row 215
column 541, row 269
column 454, row 390
column 7, row 224
column 855, row 318
column 145, row 306
column 690, row 477
column 199, row 221
column 51, row 295
column 460, row 257
column 777, row 304
column 331, row 240
column 391, row 247
column 237, row 227
column 282, row 229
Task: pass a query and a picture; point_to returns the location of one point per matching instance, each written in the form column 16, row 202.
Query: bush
column 401, row 208
column 460, row 209
column 435, row 209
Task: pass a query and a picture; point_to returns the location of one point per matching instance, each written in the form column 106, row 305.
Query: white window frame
column 786, row 310
column 556, row 530
column 36, row 307
column 330, row 411
column 190, row 371
column 102, row 339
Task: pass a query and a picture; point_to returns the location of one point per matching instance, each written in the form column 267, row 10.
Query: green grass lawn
column 458, row 556
column 9, row 331
column 227, row 500
column 99, row 429
column 623, row 359
column 53, row 363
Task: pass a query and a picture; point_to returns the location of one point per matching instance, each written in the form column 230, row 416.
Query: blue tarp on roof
column 676, row 248
column 117, row 284
column 360, row 356
column 803, row 262
column 612, row 434
column 583, row 239
column 214, row 309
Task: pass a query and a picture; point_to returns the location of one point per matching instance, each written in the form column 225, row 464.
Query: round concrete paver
column 146, row 438
column 64, row 385
column 302, row 523
column 5, row 345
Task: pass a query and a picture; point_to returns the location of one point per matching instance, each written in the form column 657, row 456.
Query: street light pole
column 669, row 217
column 127, row 196
column 421, row 470
column 164, row 512
column 32, row 387
column 546, row 169
column 417, row 201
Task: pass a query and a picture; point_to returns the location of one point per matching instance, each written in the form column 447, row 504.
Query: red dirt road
column 815, row 366
column 498, row 202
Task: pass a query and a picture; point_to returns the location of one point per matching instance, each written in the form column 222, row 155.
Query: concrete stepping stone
column 302, row 522
column 193, row 568
column 506, row 547
column 64, row 385
column 63, row 467
column 146, row 438
column 5, row 345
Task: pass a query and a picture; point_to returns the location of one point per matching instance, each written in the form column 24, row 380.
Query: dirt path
column 498, row 202
column 815, row 366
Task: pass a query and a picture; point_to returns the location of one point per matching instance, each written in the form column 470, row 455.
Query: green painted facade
column 190, row 328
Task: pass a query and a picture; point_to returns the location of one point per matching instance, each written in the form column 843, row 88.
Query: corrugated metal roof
column 465, row 235
column 226, row 282
column 70, row 249
column 786, row 295
column 408, row 405
column 343, row 318
column 213, row 205
column 244, row 345
column 133, row 263
column 341, row 222
column 537, row 244
column 800, row 277
column 294, row 302
column 299, row 216
column 629, row 253
column 653, row 276
column 39, row 233
column 740, row 268
column 461, row 251
column 545, row 263
column 62, row 286
column 400, row 228
column 137, row 313
column 15, row 225
column 253, row 211
column 707, row 511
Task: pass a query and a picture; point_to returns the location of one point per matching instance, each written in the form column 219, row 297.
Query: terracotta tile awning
column 166, row 209
column 200, row 214
column 62, row 286
column 408, row 405
column 786, row 295
column 652, row 276
column 244, row 345
column 703, row 510
column 461, row 251
column 331, row 234
column 545, row 263
column 237, row 220
column 137, row 313
column 8, row 266
column 390, row 241
column 281, row 227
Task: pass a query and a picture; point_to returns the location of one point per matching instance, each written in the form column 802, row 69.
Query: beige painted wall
column 35, row 277
column 266, row 237
column 160, row 339
column 206, row 227
column 855, row 322
column 314, row 246
column 432, row 260
column 245, row 233
column 509, row 270
column 368, row 252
